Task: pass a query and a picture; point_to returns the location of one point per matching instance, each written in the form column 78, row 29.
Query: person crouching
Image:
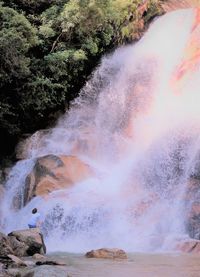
column 34, row 221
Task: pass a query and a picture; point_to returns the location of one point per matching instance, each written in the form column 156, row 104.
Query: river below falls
column 137, row 265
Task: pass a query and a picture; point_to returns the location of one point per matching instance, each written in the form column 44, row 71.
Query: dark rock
column 6, row 261
column 11, row 261
column 50, row 262
column 42, row 260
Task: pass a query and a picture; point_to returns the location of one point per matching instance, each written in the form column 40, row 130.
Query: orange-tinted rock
column 189, row 246
column 107, row 253
column 52, row 173
column 191, row 57
column 171, row 5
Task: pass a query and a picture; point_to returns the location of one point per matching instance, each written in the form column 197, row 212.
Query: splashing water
column 137, row 124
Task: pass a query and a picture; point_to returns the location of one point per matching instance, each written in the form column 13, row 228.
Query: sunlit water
column 137, row 265
column 136, row 124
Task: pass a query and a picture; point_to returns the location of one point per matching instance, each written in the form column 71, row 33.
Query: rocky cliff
column 170, row 5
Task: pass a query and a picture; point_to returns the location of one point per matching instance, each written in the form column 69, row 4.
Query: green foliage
column 95, row 25
column 32, row 6
column 17, row 36
column 153, row 10
column 45, row 95
column 7, row 118
column 48, row 48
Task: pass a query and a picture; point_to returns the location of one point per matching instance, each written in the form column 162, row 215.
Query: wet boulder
column 171, row 5
column 192, row 208
column 44, row 260
column 188, row 246
column 52, row 173
column 107, row 253
column 27, row 242
column 14, row 261
column 5, row 246
column 46, row 270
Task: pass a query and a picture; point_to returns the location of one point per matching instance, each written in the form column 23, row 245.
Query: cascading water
column 136, row 124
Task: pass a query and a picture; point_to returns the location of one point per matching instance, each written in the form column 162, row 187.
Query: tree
column 17, row 37
column 48, row 48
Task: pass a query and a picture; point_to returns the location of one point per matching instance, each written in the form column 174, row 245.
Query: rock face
column 20, row 244
column 27, row 242
column 170, row 5
column 188, row 246
column 16, row 262
column 192, row 207
column 107, row 253
column 47, row 270
column 11, row 265
column 52, row 173
column 5, row 245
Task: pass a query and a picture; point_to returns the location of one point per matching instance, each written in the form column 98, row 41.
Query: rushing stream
column 136, row 124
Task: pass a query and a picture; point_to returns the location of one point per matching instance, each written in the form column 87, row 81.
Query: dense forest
column 48, row 49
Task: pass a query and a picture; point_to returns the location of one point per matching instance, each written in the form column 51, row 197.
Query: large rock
column 192, row 207
column 107, row 253
column 5, row 246
column 188, row 246
column 27, row 242
column 43, row 260
column 52, row 173
column 46, row 270
column 170, row 5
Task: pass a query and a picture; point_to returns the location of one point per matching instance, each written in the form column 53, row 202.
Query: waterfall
column 136, row 123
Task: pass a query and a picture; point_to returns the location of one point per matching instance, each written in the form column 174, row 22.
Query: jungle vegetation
column 48, row 48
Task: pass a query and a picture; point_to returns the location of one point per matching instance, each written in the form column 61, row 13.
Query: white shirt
column 34, row 219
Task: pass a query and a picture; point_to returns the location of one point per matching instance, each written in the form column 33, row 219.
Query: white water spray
column 139, row 134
